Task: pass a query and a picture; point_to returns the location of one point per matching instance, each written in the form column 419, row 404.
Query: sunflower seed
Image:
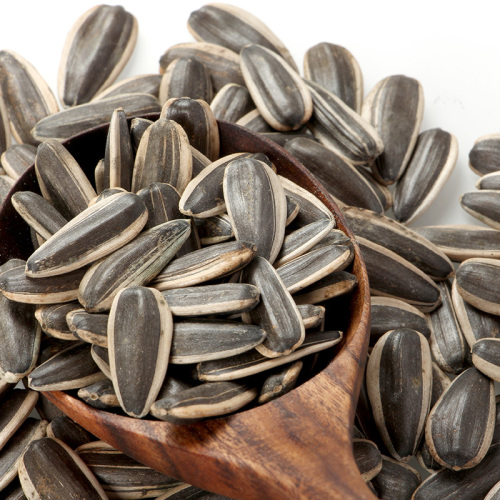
column 484, row 205
column 200, row 161
column 388, row 314
column 312, row 316
column 395, row 108
column 393, row 276
column 186, row 77
column 494, row 493
column 252, row 362
column 335, row 68
column 477, row 283
column 38, row 213
column 95, row 51
column 163, row 155
column 431, row 164
column 140, row 84
column 340, row 128
column 90, row 327
column 68, row 431
column 232, row 102
column 80, row 242
column 448, row 345
column 341, row 179
column 254, row 121
column 203, row 265
column 52, row 319
column 17, row 158
column 101, row 395
column 383, row 192
column 100, row 356
column 440, row 382
column 395, row 480
column 461, row 242
column 106, row 193
column 223, row 64
column 71, row 368
column 81, row 118
column 99, row 176
column 426, row 460
column 399, row 389
column 65, row 477
column 279, row 381
column 216, row 229
column 139, row 339
column 5, row 140
column 137, row 128
column 234, row 28
column 276, row 88
column 6, row 184
column 483, row 157
column 459, row 429
column 62, row 181
column 489, row 181
column 368, row 458
column 198, row 121
column 172, row 385
column 486, row 357
column 27, row 96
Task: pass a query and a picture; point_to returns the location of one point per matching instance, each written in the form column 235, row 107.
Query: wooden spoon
column 297, row 446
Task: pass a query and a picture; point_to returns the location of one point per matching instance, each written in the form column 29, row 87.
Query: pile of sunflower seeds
column 429, row 389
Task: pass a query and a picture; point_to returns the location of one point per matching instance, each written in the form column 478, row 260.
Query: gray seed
column 200, row 161
column 395, row 480
column 440, row 382
column 27, row 97
column 137, row 128
column 368, row 458
column 276, row 88
column 334, row 237
column 140, row 84
column 101, row 395
column 232, row 102
column 483, row 157
column 139, row 341
column 312, row 316
column 279, row 381
column 486, row 357
column 383, row 192
column 5, row 140
column 50, row 469
column 216, row 229
column 6, row 184
column 162, row 201
column 484, row 205
column 431, row 164
column 52, row 319
column 96, row 50
column 100, row 356
column 395, row 108
column 335, row 68
column 99, row 176
column 81, row 118
column 460, row 426
column 426, row 460
column 90, row 327
column 334, row 285
column 106, row 193
column 254, row 121
column 17, row 158
column 282, row 138
column 489, row 181
column 68, row 431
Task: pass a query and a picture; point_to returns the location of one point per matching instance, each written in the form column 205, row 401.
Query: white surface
column 453, row 48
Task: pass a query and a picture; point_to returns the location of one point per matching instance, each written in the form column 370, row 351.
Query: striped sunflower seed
column 198, row 121
column 395, row 107
column 334, row 285
column 96, row 50
column 100, row 355
column 477, row 283
column 210, row 399
column 81, row 118
column 222, row 63
column 106, row 193
column 68, row 431
column 484, row 205
column 276, row 88
column 5, row 140
column 396, row 480
column 51, row 469
column 137, row 128
column 459, row 429
column 383, row 192
column 139, row 84
column 80, row 242
column 186, row 77
column 27, row 97
column 101, row 395
column 486, row 357
column 399, row 389
column 368, row 458
column 234, row 28
column 200, row 161
column 216, row 229
column 253, row 120
column 462, row 242
column 433, row 159
column 52, row 319
column 90, row 327
column 279, row 381
column 6, row 184
column 232, row 102
column 494, row 493
column 426, row 460
column 488, row 181
column 440, row 382
column 483, row 157
column 139, row 341
column 163, row 155
column 335, row 68
column 17, row 158
column 162, row 201
column 99, row 176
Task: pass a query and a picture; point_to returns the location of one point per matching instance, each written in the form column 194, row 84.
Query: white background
column 453, row 48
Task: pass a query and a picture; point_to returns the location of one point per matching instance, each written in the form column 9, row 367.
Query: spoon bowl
column 297, row 446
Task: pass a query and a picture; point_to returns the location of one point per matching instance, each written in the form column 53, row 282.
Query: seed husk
column 17, row 158
column 399, row 389
column 459, row 429
column 252, row 362
column 52, row 319
column 139, row 84
column 255, row 199
column 335, row 68
column 27, row 97
column 383, row 192
column 68, row 431
column 204, row 265
column 312, row 316
column 5, row 139
column 486, row 357
column 186, row 77
column 277, row 90
column 96, row 232
column 90, row 327
column 139, row 342
column 368, row 458
column 395, row 480
column 163, row 155
column 216, row 229
column 50, row 469
column 395, row 108
column 484, row 205
column 71, row 368
column 440, row 382
column 448, row 345
column 101, row 395
column 339, row 177
column 426, row 460
column 231, row 103
column 81, row 118
column 483, row 157
column 489, row 181
column 494, row 493
column 6, row 184
column 137, row 128
column 477, row 281
column 393, row 276
column 222, row 63
column 198, row 122
column 340, row 128
column 279, row 381
column 100, row 356
column 253, row 120
column 162, row 201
